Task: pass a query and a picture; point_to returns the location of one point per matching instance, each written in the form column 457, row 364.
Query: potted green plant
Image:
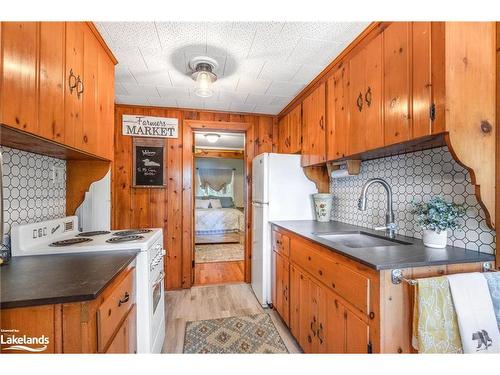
column 435, row 218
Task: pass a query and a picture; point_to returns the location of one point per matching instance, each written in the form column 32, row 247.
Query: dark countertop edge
column 67, row 299
column 408, row 264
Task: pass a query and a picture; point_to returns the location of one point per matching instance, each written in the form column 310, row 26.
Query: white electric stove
column 60, row 236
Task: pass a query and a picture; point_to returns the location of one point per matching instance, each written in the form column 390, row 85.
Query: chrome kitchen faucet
column 390, row 226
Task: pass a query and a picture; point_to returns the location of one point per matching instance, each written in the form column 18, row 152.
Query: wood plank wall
column 162, row 207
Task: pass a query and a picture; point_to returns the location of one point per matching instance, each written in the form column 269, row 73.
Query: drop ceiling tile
column 140, row 90
column 254, row 86
column 223, row 38
column 191, row 36
column 327, row 31
column 284, row 88
column 157, row 59
column 181, row 80
column 277, row 70
column 224, row 83
column 131, row 99
column 173, row 93
column 307, row 73
column 232, row 96
column 268, row 109
column 191, row 103
column 163, row 102
column 132, row 34
column 156, row 78
column 119, row 89
column 259, row 99
column 249, row 68
column 273, row 46
column 281, row 100
column 215, row 105
column 123, row 74
column 131, row 57
column 305, row 51
column 238, row 107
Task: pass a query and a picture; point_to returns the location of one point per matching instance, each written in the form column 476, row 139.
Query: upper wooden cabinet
column 290, row 132
column 365, row 126
column 58, row 84
column 314, row 127
column 336, row 113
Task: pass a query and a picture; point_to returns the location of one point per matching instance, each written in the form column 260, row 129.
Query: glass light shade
column 204, row 85
column 212, row 138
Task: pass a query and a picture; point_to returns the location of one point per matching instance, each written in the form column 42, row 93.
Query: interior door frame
column 188, row 129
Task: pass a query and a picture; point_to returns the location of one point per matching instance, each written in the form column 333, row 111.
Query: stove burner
column 92, row 233
column 70, row 241
column 131, row 232
column 123, row 238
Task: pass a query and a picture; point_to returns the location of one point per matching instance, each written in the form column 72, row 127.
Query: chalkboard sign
column 149, row 164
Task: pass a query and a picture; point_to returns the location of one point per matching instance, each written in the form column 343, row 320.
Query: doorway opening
column 219, row 207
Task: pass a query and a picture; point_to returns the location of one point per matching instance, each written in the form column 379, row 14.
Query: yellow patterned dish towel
column 435, row 325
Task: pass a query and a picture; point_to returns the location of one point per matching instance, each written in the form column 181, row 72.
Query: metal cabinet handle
column 73, row 78
column 359, row 102
column 123, row 300
column 79, row 84
column 321, row 123
column 320, row 333
column 368, row 96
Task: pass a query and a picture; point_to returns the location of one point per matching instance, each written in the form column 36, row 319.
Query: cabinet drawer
column 281, row 243
column 349, row 284
column 114, row 308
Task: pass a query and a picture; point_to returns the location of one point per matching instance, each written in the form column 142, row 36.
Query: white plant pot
column 434, row 239
column 323, row 206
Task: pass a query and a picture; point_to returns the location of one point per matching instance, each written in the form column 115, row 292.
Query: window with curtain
column 216, row 182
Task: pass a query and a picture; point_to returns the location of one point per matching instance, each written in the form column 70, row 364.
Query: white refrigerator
column 280, row 191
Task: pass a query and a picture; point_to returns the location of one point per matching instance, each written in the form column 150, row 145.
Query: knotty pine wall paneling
column 162, row 207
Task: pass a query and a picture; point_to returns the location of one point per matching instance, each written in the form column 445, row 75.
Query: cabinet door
column 356, row 130
column 74, row 69
column 283, row 136
column 314, row 127
column 372, row 95
column 336, row 114
column 335, row 325
column 295, row 130
column 294, row 301
column 357, row 333
column 397, row 82
column 51, row 81
column 86, row 136
column 278, row 283
column 286, row 290
column 306, row 336
column 19, row 74
column 106, row 100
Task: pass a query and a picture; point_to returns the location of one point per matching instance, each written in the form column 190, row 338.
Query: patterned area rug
column 235, row 335
column 219, row 253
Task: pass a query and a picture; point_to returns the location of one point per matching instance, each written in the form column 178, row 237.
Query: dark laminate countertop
column 383, row 257
column 61, row 278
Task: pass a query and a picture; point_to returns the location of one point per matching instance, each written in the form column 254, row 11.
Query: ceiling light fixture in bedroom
column 212, row 137
column 202, row 73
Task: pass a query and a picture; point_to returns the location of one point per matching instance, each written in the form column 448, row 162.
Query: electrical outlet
column 57, row 176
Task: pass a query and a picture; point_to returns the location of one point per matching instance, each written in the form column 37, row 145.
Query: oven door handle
column 160, row 278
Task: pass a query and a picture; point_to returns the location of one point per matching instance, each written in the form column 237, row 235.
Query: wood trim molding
column 223, row 154
column 188, row 195
column 101, row 40
column 323, row 75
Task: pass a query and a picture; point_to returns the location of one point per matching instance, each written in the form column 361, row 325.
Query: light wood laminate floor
column 219, row 272
column 212, row 302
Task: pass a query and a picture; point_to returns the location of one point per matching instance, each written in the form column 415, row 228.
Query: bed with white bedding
column 218, row 221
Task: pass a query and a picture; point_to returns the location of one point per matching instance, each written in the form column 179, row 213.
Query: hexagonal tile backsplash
column 29, row 194
column 414, row 177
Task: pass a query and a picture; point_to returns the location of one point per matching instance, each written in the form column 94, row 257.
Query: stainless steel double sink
column 360, row 239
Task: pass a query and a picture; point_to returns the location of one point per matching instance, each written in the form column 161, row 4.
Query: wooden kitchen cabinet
column 19, row 75
column 51, row 89
column 365, row 126
column 282, row 286
column 336, row 113
column 314, row 127
column 290, row 132
column 65, row 89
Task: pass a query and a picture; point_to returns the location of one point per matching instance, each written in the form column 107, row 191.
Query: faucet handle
column 390, row 226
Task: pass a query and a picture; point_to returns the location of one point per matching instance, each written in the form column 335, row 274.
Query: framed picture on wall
column 148, row 163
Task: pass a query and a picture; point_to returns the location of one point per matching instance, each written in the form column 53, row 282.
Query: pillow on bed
column 226, row 202
column 215, row 203
column 202, row 203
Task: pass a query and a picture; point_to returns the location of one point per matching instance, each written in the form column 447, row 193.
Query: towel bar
column 397, row 275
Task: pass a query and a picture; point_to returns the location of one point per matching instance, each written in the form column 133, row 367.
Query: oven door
column 157, row 307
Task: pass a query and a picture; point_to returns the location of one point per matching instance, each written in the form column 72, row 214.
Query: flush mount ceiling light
column 212, row 137
column 202, row 73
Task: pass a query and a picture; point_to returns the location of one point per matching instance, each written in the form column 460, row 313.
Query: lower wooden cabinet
column 124, row 340
column 281, row 286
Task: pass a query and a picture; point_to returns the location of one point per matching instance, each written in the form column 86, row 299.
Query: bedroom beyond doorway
column 219, row 216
